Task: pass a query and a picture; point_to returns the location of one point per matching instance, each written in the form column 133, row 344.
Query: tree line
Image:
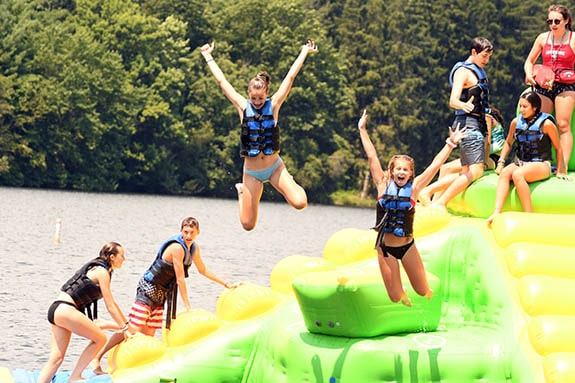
column 113, row 95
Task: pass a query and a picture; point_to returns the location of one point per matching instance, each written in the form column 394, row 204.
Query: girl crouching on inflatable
column 534, row 132
column 398, row 190
column 77, row 296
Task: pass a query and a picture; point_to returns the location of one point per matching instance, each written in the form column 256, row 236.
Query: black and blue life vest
column 259, row 132
column 83, row 290
column 162, row 272
column 532, row 144
column 395, row 211
column 480, row 91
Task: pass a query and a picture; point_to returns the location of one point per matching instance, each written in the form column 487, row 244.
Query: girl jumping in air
column 259, row 138
column 397, row 190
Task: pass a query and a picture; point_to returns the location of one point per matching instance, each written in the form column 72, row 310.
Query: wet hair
column 564, row 11
column 261, row 81
column 404, row 157
column 496, row 113
column 533, row 99
column 481, row 44
column 191, row 222
column 109, row 249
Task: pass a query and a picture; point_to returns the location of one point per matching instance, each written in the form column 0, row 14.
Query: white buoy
column 58, row 235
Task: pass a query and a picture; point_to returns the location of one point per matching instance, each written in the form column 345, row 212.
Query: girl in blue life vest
column 259, row 138
column 535, row 133
column 397, row 190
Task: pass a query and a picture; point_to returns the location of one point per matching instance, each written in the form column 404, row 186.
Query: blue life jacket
column 259, row 132
column 161, row 272
column 480, row 91
column 83, row 290
column 532, row 144
column 395, row 211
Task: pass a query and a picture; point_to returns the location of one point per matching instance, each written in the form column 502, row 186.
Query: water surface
column 34, row 266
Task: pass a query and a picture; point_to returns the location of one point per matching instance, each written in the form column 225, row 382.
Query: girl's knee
column 517, row 177
column 248, row 225
column 56, row 360
column 100, row 340
column 300, row 204
column 564, row 126
column 298, row 200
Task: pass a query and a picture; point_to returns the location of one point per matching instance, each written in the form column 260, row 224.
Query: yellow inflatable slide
column 503, row 311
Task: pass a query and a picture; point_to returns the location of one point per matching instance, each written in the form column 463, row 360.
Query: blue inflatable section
column 24, row 376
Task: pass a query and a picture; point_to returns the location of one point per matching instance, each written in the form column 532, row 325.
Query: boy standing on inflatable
column 260, row 137
column 534, row 132
column 469, row 98
column 397, row 190
column 161, row 283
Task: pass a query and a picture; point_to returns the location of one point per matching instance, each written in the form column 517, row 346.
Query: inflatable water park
column 503, row 308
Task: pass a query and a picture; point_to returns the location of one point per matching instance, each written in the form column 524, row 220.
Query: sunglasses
column 554, row 21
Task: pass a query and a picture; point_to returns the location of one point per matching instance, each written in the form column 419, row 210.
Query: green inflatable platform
column 471, row 314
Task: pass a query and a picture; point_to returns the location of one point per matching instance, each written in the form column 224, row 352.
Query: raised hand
column 207, row 49
column 310, row 47
column 361, row 124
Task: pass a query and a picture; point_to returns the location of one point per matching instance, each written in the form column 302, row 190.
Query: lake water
column 34, row 266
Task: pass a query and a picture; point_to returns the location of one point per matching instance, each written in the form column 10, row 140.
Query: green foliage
column 113, row 95
column 351, row 198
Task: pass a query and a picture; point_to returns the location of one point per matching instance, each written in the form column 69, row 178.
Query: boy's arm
column 203, row 270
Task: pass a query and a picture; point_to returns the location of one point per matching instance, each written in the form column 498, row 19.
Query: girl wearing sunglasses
column 557, row 50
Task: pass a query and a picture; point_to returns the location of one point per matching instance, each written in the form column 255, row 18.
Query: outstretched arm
column 235, row 98
column 422, row 180
column 202, row 269
column 279, row 97
column 103, row 280
column 377, row 173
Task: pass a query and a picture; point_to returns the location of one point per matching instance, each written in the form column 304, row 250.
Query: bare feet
column 76, row 379
column 405, row 300
column 424, row 198
column 429, row 294
column 96, row 367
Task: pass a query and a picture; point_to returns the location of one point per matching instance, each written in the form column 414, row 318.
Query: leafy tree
column 108, row 95
column 270, row 40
